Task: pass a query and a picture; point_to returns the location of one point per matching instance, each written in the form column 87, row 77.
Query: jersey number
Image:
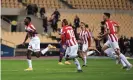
column 71, row 33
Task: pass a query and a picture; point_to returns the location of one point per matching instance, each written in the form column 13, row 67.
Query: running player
column 62, row 52
column 85, row 40
column 91, row 49
column 112, row 39
column 34, row 44
column 68, row 38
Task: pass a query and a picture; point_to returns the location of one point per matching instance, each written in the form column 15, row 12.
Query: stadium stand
column 92, row 18
column 101, row 4
column 11, row 4
column 46, row 3
column 18, row 37
column 77, row 4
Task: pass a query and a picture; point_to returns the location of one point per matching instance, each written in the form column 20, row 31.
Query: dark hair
column 65, row 21
column 102, row 22
column 83, row 23
column 86, row 26
column 107, row 14
column 28, row 18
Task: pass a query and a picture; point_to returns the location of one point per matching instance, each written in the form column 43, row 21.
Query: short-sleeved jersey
column 110, row 25
column 68, row 36
column 84, row 36
column 30, row 28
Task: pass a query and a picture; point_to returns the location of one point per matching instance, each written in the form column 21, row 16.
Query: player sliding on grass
column 113, row 40
column 34, row 44
column 68, row 39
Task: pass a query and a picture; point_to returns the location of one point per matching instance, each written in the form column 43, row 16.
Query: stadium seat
column 101, row 4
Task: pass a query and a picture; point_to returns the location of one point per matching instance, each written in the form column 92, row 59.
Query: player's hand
column 100, row 37
column 64, row 46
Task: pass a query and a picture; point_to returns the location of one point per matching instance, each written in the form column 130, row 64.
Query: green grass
column 48, row 69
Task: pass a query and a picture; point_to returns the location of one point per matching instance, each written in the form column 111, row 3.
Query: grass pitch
column 48, row 69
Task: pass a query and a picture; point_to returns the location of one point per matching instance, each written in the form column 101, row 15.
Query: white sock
column 29, row 63
column 85, row 60
column 77, row 64
column 44, row 50
column 123, row 63
column 124, row 59
column 90, row 52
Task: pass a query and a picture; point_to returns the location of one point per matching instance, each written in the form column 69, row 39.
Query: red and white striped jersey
column 30, row 28
column 68, row 36
column 84, row 35
column 110, row 25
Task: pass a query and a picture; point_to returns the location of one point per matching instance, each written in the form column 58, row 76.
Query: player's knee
column 117, row 51
column 38, row 55
column 104, row 47
column 28, row 57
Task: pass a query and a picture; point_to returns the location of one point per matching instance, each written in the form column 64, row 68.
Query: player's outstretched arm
column 106, row 33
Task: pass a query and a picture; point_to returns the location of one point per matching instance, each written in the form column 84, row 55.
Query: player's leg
column 93, row 51
column 28, row 54
column 74, row 51
column 62, row 51
column 71, row 53
column 111, row 53
column 108, row 51
column 47, row 48
column 80, row 55
column 36, row 47
column 84, row 51
column 105, row 46
column 85, row 59
column 60, row 58
column 67, row 57
column 77, row 64
column 120, row 55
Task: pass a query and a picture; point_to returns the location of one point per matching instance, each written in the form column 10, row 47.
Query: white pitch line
column 9, row 70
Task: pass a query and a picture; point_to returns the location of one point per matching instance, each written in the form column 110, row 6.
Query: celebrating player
column 34, row 44
column 68, row 38
column 112, row 39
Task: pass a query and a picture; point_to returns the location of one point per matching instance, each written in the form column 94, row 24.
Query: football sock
column 44, row 50
column 60, row 57
column 77, row 64
column 85, row 60
column 90, row 52
column 123, row 63
column 124, row 59
column 29, row 63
